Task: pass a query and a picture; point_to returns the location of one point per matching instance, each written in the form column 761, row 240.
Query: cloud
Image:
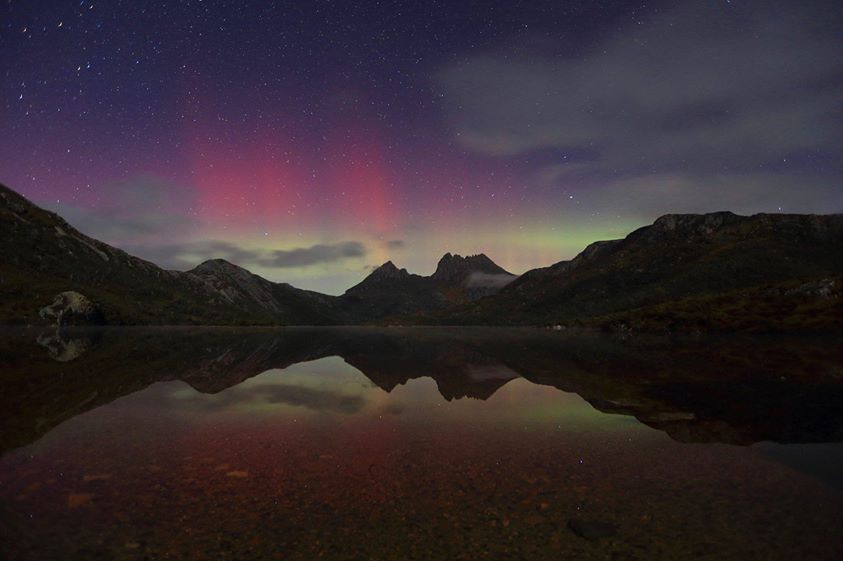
column 697, row 90
column 319, row 253
column 278, row 394
column 395, row 244
column 745, row 193
column 188, row 255
column 489, row 280
column 318, row 400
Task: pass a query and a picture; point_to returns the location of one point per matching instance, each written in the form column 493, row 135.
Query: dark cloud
column 188, row 255
column 319, row 400
column 748, row 193
column 319, row 253
column 698, row 92
column 395, row 244
column 315, row 399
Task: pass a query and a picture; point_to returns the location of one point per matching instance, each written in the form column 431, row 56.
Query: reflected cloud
column 315, row 399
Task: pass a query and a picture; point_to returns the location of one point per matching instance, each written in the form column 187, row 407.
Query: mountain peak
column 387, row 271
column 215, row 265
column 456, row 268
column 385, row 277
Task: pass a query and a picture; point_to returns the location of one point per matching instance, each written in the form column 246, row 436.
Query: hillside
column 283, row 303
column 685, row 271
column 44, row 256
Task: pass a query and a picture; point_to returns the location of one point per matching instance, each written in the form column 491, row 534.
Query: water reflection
column 738, row 391
column 418, row 443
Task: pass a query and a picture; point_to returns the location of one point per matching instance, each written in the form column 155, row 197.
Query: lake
column 418, row 443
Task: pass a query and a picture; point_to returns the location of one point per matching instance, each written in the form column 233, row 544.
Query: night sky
column 310, row 141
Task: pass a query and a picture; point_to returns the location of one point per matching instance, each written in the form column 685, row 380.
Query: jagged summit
column 451, row 269
column 456, row 268
column 389, row 291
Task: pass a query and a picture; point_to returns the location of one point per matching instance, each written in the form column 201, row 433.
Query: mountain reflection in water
column 339, row 433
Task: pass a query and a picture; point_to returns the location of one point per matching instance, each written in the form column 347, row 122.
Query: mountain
column 685, row 272
column 455, row 269
column 476, row 275
column 689, row 271
column 284, row 303
column 385, row 275
column 44, row 258
column 389, row 292
column 49, row 264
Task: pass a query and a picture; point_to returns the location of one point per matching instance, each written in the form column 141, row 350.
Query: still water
column 418, row 444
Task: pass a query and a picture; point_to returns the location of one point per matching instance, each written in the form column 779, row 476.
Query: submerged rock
column 592, row 530
column 72, row 308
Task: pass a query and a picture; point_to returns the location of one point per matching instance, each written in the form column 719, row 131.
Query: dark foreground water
column 418, row 444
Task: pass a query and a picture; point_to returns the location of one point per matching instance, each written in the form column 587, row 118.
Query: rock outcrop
column 72, row 308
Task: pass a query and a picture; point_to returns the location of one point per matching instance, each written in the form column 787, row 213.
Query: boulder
column 72, row 308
